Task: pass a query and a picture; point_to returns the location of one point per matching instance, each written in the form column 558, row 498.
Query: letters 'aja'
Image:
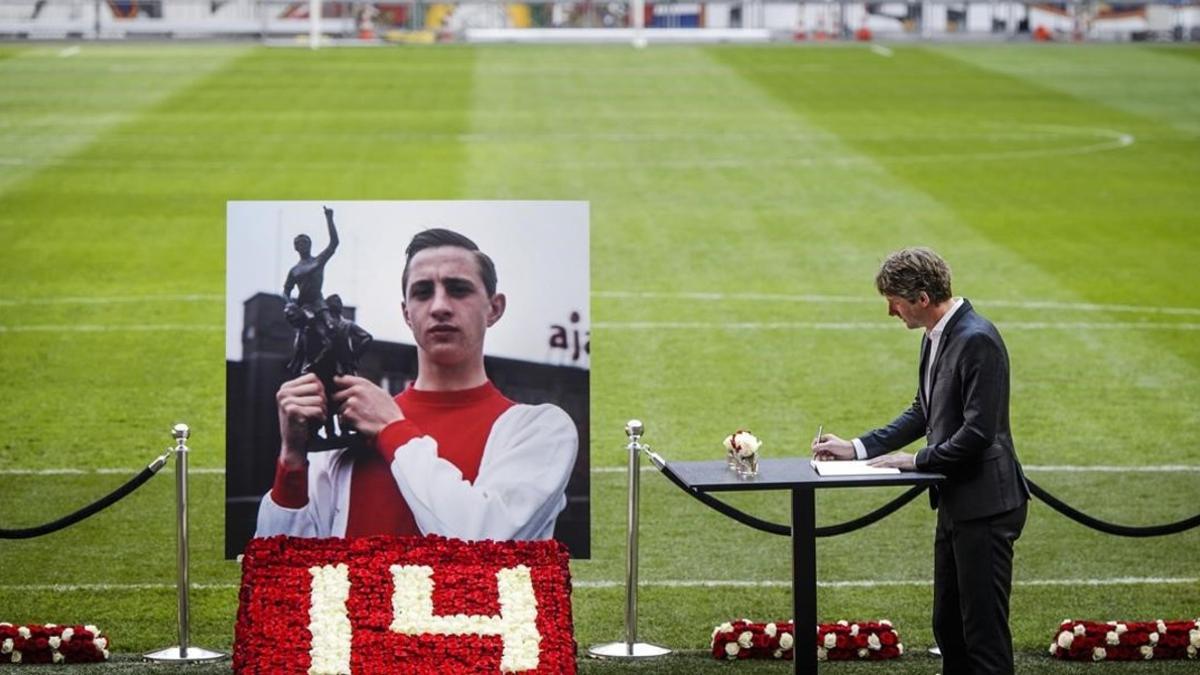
column 332, row 623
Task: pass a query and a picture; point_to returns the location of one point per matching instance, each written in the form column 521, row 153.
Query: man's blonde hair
column 908, row 272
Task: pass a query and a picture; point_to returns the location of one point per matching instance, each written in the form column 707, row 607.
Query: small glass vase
column 746, row 467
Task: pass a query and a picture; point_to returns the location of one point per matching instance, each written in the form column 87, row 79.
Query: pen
column 820, row 432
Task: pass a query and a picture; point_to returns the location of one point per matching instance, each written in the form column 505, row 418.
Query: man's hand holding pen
column 827, row 447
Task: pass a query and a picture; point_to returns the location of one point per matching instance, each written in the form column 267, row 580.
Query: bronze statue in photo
column 326, row 342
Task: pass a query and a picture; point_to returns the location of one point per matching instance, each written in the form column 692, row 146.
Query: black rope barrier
column 897, row 503
column 786, row 530
column 89, row 510
column 725, row 509
column 1110, row 528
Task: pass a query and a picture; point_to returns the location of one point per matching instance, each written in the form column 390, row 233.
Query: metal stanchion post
column 631, row 648
column 182, row 653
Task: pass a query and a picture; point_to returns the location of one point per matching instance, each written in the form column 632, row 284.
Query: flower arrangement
column 404, row 604
column 1126, row 640
column 841, row 641
column 51, row 643
column 741, row 452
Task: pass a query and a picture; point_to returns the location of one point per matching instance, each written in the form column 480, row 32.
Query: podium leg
column 804, row 580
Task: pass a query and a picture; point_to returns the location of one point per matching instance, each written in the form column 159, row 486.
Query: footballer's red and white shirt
column 468, row 464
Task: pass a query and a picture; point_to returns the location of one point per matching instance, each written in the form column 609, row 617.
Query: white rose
column 854, row 630
column 1191, row 652
column 51, row 625
column 1080, row 630
column 746, row 639
column 92, row 629
column 843, row 622
column 104, row 653
column 1162, row 626
column 745, row 444
column 1153, row 638
column 57, row 657
column 830, row 640
column 900, row 649
column 23, row 631
column 732, row 649
column 1112, row 638
column 1053, row 649
column 873, row 642
column 5, row 624
column 862, row 653
column 7, row 646
column 885, row 623
column 770, row 629
column 728, row 443
column 1112, row 623
column 16, row 656
column 725, row 627
column 1065, row 639
column 100, row 643
column 55, row 642
column 1098, row 654
column 1194, row 637
column 786, row 641
column 1147, row 652
column 67, row 633
column 1121, row 628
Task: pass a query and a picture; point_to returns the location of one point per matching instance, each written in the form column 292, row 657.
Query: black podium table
column 798, row 476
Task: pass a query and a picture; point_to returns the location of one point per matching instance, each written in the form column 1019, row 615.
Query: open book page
column 849, row 468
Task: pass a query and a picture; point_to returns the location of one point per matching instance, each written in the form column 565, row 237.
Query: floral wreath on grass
column 51, row 643
column 433, row 604
column 841, row 641
column 1126, row 640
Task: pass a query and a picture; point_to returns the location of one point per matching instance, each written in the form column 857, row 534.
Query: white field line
column 882, row 325
column 200, row 471
column 809, row 298
column 660, row 583
column 871, row 583
column 112, row 300
column 652, row 325
column 1032, row 468
column 1103, row 140
column 806, row 298
column 110, row 328
column 69, row 52
column 882, row 51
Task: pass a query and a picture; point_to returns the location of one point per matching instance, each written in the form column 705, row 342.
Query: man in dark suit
column 961, row 410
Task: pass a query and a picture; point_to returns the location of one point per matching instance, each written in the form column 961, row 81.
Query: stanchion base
column 194, row 655
column 624, row 650
column 935, row 651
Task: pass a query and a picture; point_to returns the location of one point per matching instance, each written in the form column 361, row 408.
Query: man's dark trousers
column 972, row 571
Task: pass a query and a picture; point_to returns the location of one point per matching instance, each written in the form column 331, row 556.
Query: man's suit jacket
column 965, row 424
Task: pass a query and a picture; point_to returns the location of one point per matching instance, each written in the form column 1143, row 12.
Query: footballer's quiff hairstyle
column 436, row 237
column 908, row 272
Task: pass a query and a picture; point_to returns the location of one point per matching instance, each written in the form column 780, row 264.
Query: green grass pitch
column 742, row 198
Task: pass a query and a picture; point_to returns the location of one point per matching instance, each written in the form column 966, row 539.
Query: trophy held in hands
column 326, row 343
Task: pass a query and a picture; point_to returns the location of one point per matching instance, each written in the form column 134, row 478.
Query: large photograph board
column 537, row 353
